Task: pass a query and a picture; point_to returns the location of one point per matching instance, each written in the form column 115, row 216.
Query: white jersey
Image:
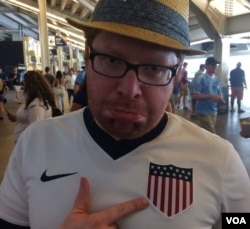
column 36, row 111
column 70, row 81
column 188, row 174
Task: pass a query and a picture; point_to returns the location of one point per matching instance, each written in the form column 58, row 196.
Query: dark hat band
column 144, row 14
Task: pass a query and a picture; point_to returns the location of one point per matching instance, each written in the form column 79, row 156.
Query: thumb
column 81, row 204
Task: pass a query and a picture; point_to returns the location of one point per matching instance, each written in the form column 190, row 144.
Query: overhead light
column 76, row 43
column 199, row 42
column 52, row 17
column 23, row 6
column 35, row 10
column 81, row 37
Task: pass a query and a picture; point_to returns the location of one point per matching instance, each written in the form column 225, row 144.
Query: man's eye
column 113, row 61
column 154, row 68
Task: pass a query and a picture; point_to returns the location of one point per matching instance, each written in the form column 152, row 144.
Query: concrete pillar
column 60, row 58
column 78, row 59
column 59, row 53
column 222, row 53
column 43, row 33
column 70, row 55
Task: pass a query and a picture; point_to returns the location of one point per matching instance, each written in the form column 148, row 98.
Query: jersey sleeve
column 235, row 186
column 13, row 196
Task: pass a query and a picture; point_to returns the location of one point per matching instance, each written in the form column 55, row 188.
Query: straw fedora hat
column 163, row 22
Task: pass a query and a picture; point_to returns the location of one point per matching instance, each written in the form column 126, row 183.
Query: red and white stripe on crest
column 170, row 195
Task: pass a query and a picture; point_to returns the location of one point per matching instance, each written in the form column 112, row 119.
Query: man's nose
column 129, row 85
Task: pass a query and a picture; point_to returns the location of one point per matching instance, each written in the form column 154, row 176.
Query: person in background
column 207, row 92
column 69, row 84
column 48, row 76
column 237, row 83
column 183, row 87
column 59, row 90
column 80, row 78
column 16, row 83
column 175, row 96
column 39, row 99
column 1, row 99
column 197, row 75
column 80, row 99
column 123, row 161
column 5, row 80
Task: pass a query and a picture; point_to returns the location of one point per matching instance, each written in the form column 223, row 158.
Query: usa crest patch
column 170, row 188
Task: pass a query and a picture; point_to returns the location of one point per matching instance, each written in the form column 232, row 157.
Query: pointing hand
column 81, row 218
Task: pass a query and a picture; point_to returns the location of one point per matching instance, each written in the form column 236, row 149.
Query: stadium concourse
column 228, row 127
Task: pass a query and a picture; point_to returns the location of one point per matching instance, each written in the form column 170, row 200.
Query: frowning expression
column 125, row 107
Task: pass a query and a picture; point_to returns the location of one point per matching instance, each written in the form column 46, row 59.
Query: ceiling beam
column 203, row 21
column 30, row 33
column 74, row 8
column 88, row 4
column 5, row 21
column 29, row 18
column 52, row 3
column 63, row 4
column 17, row 19
column 235, row 25
column 84, row 13
column 5, row 10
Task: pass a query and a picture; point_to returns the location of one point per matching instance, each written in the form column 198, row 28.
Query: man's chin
column 122, row 125
column 124, row 131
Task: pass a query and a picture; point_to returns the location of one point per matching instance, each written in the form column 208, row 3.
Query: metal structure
column 208, row 19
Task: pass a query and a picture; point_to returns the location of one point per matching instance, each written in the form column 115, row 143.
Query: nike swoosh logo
column 46, row 178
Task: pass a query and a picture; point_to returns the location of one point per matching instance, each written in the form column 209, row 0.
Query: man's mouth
column 125, row 116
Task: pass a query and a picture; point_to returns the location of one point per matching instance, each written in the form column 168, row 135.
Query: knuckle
column 122, row 211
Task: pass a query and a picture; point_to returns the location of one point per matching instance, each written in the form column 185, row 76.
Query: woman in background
column 59, row 90
column 39, row 100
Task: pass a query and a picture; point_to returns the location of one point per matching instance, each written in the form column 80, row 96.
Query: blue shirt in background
column 207, row 85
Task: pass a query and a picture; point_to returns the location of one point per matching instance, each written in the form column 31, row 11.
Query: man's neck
column 210, row 74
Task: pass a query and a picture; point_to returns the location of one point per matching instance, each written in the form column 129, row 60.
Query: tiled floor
column 227, row 127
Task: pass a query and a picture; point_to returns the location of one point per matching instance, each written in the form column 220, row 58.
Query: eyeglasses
column 113, row 67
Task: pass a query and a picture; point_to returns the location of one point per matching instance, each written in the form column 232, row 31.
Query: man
column 4, row 78
column 69, row 84
column 80, row 99
column 138, row 166
column 49, row 77
column 80, row 77
column 16, row 83
column 207, row 91
column 183, row 86
column 197, row 75
column 237, row 83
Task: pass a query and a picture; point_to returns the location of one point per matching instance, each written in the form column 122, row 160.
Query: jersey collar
column 114, row 148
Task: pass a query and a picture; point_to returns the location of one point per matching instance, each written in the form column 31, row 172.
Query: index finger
column 112, row 214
